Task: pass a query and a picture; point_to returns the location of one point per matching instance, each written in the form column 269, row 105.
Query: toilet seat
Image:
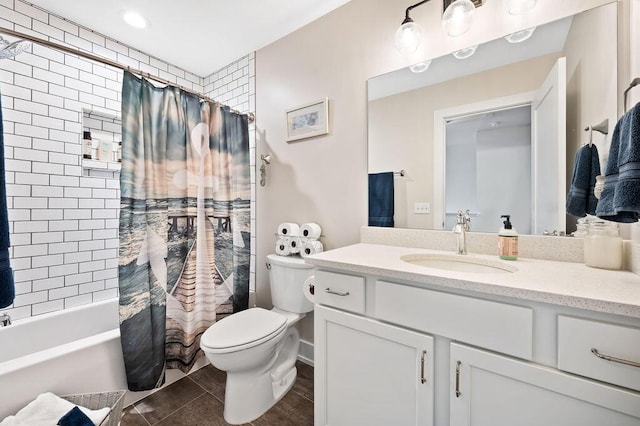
column 243, row 330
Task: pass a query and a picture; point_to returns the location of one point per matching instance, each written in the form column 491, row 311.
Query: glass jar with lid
column 603, row 246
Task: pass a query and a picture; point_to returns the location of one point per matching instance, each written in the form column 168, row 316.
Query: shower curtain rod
column 109, row 62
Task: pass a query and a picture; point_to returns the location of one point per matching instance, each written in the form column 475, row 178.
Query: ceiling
column 200, row 36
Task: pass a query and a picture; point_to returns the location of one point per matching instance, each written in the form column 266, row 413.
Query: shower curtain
column 184, row 225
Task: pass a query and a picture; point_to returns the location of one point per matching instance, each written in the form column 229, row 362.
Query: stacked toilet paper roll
column 295, row 239
column 288, row 241
column 311, row 233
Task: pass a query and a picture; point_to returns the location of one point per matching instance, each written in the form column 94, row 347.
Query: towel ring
column 602, row 127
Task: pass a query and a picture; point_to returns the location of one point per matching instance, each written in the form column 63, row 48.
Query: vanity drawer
column 578, row 337
column 340, row 291
column 493, row 325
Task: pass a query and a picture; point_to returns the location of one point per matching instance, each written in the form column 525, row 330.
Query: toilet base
column 249, row 394
column 247, row 397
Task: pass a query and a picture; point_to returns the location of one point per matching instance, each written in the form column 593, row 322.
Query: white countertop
column 560, row 283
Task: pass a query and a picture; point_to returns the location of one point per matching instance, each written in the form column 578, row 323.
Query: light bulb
column 520, row 36
column 457, row 17
column 519, row 7
column 408, row 38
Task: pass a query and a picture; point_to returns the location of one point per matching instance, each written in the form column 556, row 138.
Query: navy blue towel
column 7, row 288
column 620, row 199
column 381, row 199
column 75, row 417
column 581, row 199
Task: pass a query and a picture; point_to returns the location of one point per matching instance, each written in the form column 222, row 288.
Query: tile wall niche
column 63, row 211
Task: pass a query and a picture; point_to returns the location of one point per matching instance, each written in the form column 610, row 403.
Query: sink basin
column 459, row 263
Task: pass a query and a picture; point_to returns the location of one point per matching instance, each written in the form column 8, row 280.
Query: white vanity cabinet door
column 494, row 390
column 369, row 373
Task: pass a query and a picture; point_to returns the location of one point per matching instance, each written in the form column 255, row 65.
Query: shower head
column 9, row 50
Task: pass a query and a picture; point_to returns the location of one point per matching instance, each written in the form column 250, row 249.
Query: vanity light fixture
column 520, row 36
column 134, row 19
column 519, row 7
column 465, row 53
column 420, row 66
column 456, row 21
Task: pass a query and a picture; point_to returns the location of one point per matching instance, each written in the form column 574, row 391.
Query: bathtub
column 72, row 351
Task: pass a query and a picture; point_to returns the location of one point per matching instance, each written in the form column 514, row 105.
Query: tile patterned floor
column 198, row 400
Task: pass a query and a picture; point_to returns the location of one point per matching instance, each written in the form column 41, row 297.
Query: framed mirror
column 496, row 133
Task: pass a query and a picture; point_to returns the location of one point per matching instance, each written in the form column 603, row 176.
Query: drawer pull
column 614, row 359
column 423, row 379
column 337, row 293
column 458, row 393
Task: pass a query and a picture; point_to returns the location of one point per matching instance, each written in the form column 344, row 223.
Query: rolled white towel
column 289, row 229
column 311, row 231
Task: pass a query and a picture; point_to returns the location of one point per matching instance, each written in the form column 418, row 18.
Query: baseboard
column 305, row 353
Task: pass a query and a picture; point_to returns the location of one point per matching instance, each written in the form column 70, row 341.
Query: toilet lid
column 240, row 329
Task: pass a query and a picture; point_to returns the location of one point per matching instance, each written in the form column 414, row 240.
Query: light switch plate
column 421, row 208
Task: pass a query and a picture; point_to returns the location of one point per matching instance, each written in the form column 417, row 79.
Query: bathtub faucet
column 5, row 320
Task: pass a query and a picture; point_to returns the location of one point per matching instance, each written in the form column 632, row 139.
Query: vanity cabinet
column 485, row 360
column 370, row 373
column 495, row 390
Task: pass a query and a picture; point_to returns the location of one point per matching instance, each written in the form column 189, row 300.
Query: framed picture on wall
column 308, row 120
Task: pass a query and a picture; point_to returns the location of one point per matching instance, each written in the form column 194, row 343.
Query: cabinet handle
column 458, row 393
column 337, row 293
column 614, row 359
column 423, row 379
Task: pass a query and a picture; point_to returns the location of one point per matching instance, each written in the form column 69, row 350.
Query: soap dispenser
column 507, row 240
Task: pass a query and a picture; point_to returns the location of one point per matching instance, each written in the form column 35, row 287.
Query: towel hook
column 602, row 127
column 266, row 159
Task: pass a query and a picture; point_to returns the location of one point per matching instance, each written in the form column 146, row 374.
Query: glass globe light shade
column 408, row 37
column 420, row 67
column 457, row 17
column 519, row 7
column 465, row 53
column 520, row 36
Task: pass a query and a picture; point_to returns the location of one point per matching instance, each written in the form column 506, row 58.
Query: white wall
column 63, row 212
column 324, row 179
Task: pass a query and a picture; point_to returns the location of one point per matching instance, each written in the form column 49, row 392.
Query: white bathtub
column 72, row 351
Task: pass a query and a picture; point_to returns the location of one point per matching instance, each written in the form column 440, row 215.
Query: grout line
column 140, row 414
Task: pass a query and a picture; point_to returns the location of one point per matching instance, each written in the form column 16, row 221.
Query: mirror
column 412, row 118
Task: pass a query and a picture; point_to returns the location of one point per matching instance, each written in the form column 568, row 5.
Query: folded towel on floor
column 381, row 193
column 620, row 199
column 581, row 200
column 47, row 409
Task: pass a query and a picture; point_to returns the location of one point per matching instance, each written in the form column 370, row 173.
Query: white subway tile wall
column 63, row 210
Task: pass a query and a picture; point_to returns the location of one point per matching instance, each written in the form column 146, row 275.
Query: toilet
column 257, row 347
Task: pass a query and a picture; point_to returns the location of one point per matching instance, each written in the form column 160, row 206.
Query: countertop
column 560, row 283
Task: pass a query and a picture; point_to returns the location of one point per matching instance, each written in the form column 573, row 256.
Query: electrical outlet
column 421, row 208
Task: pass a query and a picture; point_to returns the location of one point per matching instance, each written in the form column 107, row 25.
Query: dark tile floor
column 198, row 400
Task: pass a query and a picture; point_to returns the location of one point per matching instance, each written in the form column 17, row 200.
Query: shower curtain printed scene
column 184, row 225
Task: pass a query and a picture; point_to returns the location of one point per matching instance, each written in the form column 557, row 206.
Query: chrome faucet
column 463, row 224
column 5, row 319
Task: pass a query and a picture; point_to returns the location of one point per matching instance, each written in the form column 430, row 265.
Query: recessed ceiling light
column 134, row 19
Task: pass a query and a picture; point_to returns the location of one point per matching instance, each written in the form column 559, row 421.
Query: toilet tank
column 287, row 275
